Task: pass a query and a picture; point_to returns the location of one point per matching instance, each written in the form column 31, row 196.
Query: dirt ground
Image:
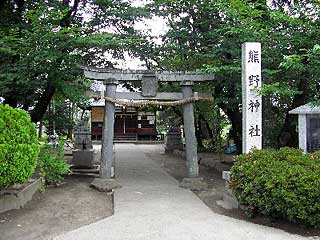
column 57, row 210
column 75, row 204
column 176, row 167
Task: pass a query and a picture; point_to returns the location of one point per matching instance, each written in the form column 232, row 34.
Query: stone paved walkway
column 151, row 206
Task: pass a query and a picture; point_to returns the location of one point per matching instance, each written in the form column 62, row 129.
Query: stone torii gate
column 150, row 79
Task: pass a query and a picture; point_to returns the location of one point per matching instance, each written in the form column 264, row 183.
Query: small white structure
column 309, row 127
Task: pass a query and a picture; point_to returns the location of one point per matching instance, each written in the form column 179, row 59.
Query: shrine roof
column 308, row 108
column 97, row 103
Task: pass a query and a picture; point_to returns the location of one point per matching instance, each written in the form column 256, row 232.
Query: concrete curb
column 19, row 199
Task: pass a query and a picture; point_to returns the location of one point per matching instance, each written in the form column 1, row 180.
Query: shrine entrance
column 149, row 96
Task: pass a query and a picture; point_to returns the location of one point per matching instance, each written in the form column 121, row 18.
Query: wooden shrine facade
column 130, row 123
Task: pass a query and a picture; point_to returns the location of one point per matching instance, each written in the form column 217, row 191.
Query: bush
column 53, row 167
column 19, row 148
column 283, row 184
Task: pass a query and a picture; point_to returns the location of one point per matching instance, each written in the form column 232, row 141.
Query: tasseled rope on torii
column 153, row 102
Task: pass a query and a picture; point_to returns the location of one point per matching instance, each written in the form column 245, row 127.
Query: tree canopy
column 207, row 35
column 43, row 43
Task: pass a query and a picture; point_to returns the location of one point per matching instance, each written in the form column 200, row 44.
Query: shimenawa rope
column 153, row 102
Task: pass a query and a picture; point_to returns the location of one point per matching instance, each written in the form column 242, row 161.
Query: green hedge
column 283, row 184
column 19, row 147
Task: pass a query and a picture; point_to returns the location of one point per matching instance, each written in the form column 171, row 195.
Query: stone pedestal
column 82, row 135
column 83, row 158
column 83, row 155
column 173, row 142
column 83, row 139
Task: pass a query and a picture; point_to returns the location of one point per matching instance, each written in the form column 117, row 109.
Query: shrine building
column 130, row 123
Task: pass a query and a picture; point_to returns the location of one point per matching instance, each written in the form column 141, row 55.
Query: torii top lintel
column 137, row 75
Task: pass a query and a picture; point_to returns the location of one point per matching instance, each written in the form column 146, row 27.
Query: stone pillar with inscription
column 251, row 99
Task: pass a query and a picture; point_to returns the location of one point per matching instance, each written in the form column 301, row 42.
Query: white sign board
column 251, row 100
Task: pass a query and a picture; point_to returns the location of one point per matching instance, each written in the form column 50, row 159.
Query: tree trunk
column 70, row 128
column 206, row 131
column 50, row 123
column 11, row 101
column 40, row 130
column 42, row 104
column 288, row 135
column 199, row 135
column 235, row 117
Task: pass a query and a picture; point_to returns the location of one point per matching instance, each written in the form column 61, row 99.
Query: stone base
column 18, row 198
column 173, row 142
column 229, row 201
column 83, row 158
column 195, row 184
column 104, row 185
column 94, row 171
column 226, row 175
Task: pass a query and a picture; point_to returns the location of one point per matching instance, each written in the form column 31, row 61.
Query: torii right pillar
column 193, row 181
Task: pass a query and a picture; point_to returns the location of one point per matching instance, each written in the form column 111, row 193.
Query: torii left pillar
column 107, row 155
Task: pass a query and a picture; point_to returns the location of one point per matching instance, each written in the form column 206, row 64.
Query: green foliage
column 52, row 164
column 44, row 42
column 277, row 89
column 281, row 184
column 62, row 114
column 207, row 35
column 19, row 147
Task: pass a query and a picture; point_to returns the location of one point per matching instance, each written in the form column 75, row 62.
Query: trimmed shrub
column 19, row 148
column 282, row 184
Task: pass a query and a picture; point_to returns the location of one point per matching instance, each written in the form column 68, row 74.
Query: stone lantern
column 308, row 127
column 83, row 155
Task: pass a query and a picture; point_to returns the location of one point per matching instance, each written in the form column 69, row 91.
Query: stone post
column 189, row 131
column 107, row 158
column 302, row 123
column 251, row 99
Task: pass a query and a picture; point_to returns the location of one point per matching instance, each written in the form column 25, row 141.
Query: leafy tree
column 44, row 42
column 207, row 35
